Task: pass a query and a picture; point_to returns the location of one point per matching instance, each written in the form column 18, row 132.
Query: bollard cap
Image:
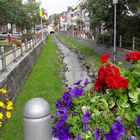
column 36, row 108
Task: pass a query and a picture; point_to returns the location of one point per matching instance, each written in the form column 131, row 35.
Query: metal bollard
column 3, row 59
column 37, row 120
column 21, row 50
column 14, row 52
column 133, row 43
column 26, row 44
column 30, row 44
column 33, row 42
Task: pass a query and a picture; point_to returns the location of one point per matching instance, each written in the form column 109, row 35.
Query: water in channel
column 75, row 70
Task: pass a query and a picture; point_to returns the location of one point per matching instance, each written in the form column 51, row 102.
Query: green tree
column 56, row 20
column 102, row 11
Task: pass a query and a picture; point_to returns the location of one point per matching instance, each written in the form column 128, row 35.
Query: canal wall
column 17, row 72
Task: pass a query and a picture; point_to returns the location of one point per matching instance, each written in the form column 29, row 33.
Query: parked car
column 17, row 34
column 3, row 35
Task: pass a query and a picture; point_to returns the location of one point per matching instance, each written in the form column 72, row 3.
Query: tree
column 23, row 15
column 32, row 13
column 102, row 11
column 56, row 20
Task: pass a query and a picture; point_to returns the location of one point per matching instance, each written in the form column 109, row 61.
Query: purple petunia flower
column 77, row 92
column 86, row 83
column 85, row 127
column 118, row 128
column 78, row 137
column 86, row 116
column 63, row 133
column 138, row 121
column 93, row 81
column 119, row 119
column 67, row 99
column 97, row 133
column 61, row 111
column 112, row 135
column 63, row 116
column 78, row 82
column 59, row 104
column 60, row 123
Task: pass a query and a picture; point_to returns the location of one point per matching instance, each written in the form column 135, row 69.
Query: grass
column 4, row 43
column 44, row 81
column 92, row 58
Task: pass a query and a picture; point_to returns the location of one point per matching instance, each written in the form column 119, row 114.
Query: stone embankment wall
column 16, row 73
column 102, row 49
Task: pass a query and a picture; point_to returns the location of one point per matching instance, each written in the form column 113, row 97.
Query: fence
column 130, row 43
column 121, row 42
column 12, row 54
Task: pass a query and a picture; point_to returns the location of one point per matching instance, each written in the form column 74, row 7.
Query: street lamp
column 114, row 2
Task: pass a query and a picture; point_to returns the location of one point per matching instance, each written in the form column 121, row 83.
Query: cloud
column 57, row 6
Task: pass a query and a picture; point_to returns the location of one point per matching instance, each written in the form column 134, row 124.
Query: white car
column 3, row 35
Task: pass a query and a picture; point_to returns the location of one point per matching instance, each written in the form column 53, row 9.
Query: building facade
column 76, row 19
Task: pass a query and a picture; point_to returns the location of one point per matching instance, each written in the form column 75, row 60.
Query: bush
column 28, row 36
column 17, row 42
column 109, row 110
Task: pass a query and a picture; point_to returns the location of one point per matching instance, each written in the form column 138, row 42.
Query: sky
column 57, row 6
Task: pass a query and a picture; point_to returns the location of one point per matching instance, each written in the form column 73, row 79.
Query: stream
column 75, row 70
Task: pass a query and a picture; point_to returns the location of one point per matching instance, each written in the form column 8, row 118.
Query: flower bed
column 110, row 110
column 5, row 106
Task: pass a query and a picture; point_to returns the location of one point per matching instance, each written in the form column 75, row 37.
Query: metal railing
column 12, row 54
column 132, row 43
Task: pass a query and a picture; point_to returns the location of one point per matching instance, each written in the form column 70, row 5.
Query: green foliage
column 56, row 20
column 24, row 16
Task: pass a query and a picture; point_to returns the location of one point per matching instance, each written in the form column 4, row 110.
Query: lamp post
column 114, row 2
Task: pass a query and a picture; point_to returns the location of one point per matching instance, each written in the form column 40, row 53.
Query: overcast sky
column 57, row 6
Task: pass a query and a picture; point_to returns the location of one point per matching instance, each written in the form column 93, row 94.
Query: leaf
column 128, row 117
column 84, row 108
column 111, row 103
column 134, row 95
column 94, row 99
column 76, row 119
column 103, row 104
column 86, row 135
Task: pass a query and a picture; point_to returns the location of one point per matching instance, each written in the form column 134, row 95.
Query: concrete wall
column 17, row 72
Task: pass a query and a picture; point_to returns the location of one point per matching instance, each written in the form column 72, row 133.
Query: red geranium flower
column 132, row 56
column 104, row 58
column 109, row 77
